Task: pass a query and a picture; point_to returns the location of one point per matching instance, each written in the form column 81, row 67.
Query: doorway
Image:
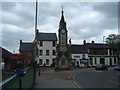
column 102, row 61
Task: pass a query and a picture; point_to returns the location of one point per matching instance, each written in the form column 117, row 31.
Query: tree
column 114, row 41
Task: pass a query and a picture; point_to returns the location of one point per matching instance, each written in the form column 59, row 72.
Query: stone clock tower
column 63, row 59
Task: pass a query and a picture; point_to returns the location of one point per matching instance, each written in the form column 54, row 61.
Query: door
column 110, row 61
column 102, row 61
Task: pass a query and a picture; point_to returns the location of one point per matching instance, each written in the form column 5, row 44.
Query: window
column 53, row 43
column 95, row 51
column 114, row 60
column 83, row 56
column 95, row 61
column 91, row 61
column 47, row 61
column 63, row 62
column 47, row 52
column 91, row 51
column 41, row 52
column 53, row 60
column 101, row 51
column 40, row 61
column 41, row 43
column 53, row 52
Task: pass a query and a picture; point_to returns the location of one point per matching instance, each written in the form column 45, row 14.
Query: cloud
column 108, row 9
column 85, row 20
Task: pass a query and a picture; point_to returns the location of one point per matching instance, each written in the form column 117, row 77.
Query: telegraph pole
column 103, row 49
column 35, row 41
column 36, row 18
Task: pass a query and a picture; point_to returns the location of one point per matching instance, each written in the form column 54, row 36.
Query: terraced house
column 47, row 48
column 90, row 54
column 46, row 52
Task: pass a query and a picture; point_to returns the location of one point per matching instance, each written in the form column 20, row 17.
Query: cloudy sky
column 85, row 20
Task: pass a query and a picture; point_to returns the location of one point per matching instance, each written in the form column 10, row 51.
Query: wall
column 107, row 60
column 47, row 45
column 13, row 81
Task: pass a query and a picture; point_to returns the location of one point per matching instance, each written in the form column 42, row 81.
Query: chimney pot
column 93, row 41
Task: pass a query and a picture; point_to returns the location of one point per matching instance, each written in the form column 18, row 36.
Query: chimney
column 37, row 31
column 20, row 41
column 84, row 42
column 93, row 42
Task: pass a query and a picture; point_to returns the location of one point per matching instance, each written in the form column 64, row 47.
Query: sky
column 85, row 20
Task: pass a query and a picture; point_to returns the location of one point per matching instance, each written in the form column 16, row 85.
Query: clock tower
column 63, row 59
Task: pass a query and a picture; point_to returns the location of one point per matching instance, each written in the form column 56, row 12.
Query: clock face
column 63, row 31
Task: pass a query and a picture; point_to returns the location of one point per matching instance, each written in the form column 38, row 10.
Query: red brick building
column 5, row 57
column 26, row 49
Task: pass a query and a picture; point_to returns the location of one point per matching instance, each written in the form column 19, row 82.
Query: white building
column 93, row 53
column 47, row 48
column 79, row 55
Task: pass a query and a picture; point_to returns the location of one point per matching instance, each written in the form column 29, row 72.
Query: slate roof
column 5, row 53
column 26, row 46
column 47, row 36
column 96, row 45
column 78, row 49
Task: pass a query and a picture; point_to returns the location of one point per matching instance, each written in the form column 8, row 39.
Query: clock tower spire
column 63, row 59
column 62, row 21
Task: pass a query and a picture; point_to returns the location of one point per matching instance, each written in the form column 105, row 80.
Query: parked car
column 101, row 67
column 117, row 68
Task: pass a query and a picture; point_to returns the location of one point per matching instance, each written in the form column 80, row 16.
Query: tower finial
column 62, row 9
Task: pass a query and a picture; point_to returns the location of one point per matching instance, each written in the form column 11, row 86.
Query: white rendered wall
column 47, row 45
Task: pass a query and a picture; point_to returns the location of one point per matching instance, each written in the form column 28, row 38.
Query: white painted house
column 47, row 48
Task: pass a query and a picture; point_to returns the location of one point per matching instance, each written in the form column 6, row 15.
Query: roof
column 5, row 53
column 77, row 49
column 26, row 46
column 47, row 36
column 96, row 45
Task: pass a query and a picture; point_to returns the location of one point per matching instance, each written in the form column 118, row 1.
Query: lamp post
column 103, row 49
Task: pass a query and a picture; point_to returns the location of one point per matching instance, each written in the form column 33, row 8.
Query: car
column 117, row 68
column 101, row 67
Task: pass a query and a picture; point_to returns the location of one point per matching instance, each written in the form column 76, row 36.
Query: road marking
column 73, row 80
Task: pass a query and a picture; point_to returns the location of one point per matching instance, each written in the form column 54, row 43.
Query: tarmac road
column 92, row 78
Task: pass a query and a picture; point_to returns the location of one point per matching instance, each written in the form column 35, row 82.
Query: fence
column 17, row 82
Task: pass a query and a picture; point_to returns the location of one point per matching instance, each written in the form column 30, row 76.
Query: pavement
column 50, row 79
column 44, row 82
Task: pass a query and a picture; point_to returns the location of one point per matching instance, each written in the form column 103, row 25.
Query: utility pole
column 34, row 43
column 103, row 49
column 36, row 18
column 35, row 39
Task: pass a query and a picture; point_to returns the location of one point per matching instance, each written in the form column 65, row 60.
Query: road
column 91, row 78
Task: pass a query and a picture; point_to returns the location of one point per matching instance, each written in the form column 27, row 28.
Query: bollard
column 39, row 72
